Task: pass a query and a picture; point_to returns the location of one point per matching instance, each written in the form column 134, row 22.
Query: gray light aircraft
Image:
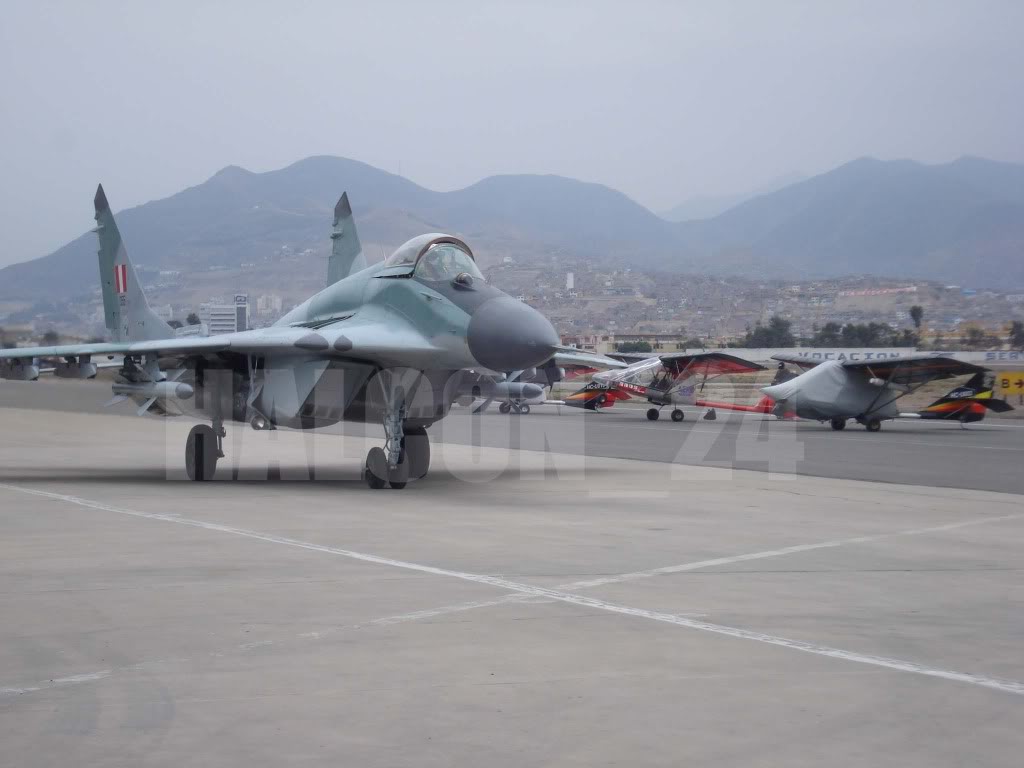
column 394, row 343
column 866, row 391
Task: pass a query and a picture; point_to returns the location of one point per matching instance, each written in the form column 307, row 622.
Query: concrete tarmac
column 514, row 608
column 984, row 456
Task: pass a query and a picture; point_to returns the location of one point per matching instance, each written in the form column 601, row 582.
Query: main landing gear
column 654, row 413
column 871, row 424
column 514, row 406
column 202, row 450
column 404, row 457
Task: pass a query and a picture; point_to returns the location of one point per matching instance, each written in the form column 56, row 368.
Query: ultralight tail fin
column 346, row 251
column 968, row 402
column 127, row 312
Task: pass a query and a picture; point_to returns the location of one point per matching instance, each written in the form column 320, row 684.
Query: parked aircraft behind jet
column 673, row 379
column 866, row 391
column 394, row 343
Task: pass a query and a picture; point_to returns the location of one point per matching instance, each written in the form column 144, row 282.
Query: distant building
column 570, row 281
column 226, row 318
column 269, row 304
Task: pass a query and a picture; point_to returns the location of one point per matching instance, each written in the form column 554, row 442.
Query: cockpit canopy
column 435, row 257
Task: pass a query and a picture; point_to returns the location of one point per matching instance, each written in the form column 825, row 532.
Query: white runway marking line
column 1006, row 686
column 781, row 552
column 57, row 682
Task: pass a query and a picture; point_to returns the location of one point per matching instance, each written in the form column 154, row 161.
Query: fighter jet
column 867, row 390
column 393, row 343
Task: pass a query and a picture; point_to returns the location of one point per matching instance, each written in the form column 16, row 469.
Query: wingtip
column 100, row 201
column 342, row 209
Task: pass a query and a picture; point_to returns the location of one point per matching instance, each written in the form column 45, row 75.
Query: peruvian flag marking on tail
column 121, row 279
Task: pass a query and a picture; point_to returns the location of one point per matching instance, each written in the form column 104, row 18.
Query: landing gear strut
column 405, row 455
column 202, row 450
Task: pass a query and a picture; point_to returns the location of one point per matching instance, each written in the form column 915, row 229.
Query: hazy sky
column 662, row 100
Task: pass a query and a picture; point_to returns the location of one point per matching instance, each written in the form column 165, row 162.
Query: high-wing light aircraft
column 666, row 380
column 866, row 391
column 394, row 343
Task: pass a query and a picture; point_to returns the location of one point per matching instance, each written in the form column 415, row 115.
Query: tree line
column 778, row 332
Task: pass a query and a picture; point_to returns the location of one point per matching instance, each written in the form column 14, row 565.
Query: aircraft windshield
column 446, row 261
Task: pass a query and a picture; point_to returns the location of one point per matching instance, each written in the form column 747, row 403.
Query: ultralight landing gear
column 873, row 425
column 653, row 414
column 677, row 414
column 505, row 407
column 202, row 449
column 838, row 424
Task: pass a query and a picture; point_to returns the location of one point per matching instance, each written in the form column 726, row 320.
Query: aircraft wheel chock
column 838, row 424
column 677, row 414
column 376, row 472
column 201, row 453
column 653, row 414
column 873, row 425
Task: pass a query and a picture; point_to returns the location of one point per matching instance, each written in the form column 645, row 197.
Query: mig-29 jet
column 395, row 343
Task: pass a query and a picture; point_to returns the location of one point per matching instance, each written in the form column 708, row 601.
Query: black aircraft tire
column 505, row 407
column 677, row 415
column 524, row 409
column 838, row 424
column 201, row 453
column 398, row 477
column 653, row 414
column 376, row 471
column 873, row 425
column 417, row 452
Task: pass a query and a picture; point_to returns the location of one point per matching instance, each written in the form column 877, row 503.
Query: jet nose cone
column 506, row 335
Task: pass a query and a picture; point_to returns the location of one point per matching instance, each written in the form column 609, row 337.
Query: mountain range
column 957, row 222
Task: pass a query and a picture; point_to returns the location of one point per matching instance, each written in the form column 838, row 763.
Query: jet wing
column 168, row 346
column 382, row 343
column 569, row 357
column 913, row 369
column 707, row 364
